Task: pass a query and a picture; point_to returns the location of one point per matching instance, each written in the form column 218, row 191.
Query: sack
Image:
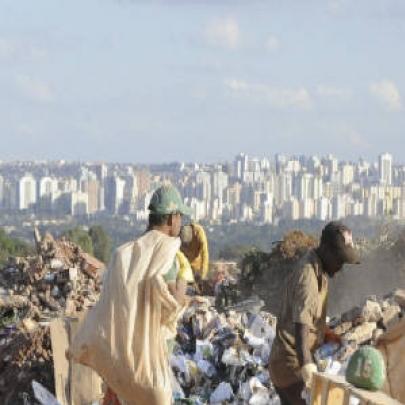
column 123, row 338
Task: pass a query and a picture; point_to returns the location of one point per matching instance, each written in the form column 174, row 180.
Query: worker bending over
column 194, row 245
column 301, row 324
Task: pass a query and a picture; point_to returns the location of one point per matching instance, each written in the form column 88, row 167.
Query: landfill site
column 224, row 336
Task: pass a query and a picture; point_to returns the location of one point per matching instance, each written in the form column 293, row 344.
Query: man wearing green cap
column 166, row 210
column 124, row 337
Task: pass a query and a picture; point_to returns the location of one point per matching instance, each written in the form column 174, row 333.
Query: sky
column 201, row 80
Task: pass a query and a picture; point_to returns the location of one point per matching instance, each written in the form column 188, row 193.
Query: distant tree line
column 10, row 246
column 94, row 241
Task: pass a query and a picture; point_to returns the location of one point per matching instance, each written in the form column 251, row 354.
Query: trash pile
column 224, row 339
column 60, row 280
column 223, row 357
column 361, row 325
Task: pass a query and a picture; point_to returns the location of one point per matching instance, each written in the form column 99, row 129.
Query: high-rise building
column 385, row 168
column 27, row 192
column 219, row 184
column 114, row 194
column 95, row 194
column 47, row 193
column 370, row 206
column 284, row 188
column 267, row 211
column 338, row 207
column 323, row 209
column 291, row 209
column 79, row 203
column 347, row 174
column 241, row 163
column 306, row 186
column 331, row 167
column 307, row 209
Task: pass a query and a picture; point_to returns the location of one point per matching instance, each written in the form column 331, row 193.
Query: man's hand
column 332, row 337
column 307, row 372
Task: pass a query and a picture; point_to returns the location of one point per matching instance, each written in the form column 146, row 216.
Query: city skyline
column 246, row 189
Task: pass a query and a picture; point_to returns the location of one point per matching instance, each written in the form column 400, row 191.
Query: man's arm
column 204, row 253
column 305, row 293
column 302, row 344
column 178, row 290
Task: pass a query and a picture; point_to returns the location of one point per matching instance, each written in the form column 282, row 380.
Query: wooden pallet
column 335, row 390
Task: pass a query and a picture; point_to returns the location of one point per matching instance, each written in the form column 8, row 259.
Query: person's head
column 186, row 234
column 336, row 247
column 166, row 209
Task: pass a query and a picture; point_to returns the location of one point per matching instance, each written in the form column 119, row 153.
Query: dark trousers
column 291, row 395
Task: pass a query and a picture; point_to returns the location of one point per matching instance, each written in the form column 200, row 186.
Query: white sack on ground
column 123, row 338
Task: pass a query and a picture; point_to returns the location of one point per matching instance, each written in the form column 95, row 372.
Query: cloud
column 336, row 6
column 19, row 49
column 236, row 85
column 35, row 89
column 272, row 43
column 223, row 32
column 277, row 97
column 333, row 92
column 387, row 93
column 356, row 139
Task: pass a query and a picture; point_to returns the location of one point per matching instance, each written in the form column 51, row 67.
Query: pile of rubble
column 222, row 348
column 223, row 357
column 361, row 325
column 60, row 280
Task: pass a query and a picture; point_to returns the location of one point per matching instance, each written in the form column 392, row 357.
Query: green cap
column 167, row 200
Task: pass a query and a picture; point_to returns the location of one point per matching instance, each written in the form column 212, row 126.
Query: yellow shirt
column 197, row 251
column 185, row 272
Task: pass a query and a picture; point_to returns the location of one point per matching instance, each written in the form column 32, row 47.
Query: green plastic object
column 366, row 369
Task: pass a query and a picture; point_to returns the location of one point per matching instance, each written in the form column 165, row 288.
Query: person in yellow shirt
column 194, row 245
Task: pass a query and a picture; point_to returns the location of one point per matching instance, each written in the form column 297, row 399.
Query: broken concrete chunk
column 361, row 334
column 352, row 315
column 371, row 311
column 343, row 328
column 391, row 316
column 399, row 297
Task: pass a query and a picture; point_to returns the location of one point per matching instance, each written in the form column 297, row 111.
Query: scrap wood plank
column 335, row 390
column 74, row 384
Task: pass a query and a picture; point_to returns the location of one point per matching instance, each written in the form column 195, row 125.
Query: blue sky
column 163, row 80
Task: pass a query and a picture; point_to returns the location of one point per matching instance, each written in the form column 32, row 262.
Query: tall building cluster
column 244, row 190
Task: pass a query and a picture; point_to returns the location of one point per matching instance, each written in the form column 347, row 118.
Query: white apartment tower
column 385, row 168
column 27, row 192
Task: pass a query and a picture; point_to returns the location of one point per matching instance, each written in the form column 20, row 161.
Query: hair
column 333, row 232
column 158, row 219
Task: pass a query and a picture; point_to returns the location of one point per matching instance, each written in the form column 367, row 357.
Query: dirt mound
column 264, row 274
column 26, row 357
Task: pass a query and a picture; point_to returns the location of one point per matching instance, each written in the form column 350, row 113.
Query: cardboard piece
column 74, row 384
